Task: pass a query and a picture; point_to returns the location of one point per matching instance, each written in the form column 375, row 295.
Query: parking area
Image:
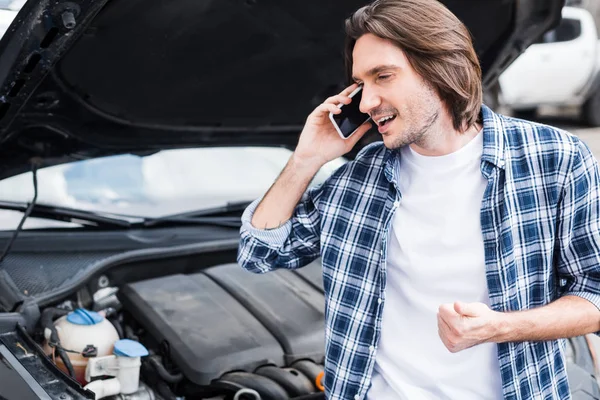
column 568, row 119
column 591, row 136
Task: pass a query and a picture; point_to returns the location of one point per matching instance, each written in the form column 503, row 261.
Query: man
column 457, row 252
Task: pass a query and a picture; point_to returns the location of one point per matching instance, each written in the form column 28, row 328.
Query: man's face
column 392, row 88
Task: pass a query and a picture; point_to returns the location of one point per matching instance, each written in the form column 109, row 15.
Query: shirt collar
column 493, row 137
column 493, row 144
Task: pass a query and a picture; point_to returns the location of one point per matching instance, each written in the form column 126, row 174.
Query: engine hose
column 65, row 359
column 117, row 326
column 234, row 381
column 163, row 373
column 312, row 371
column 164, row 391
column 313, row 396
column 129, row 334
column 319, row 381
column 294, row 382
column 241, row 392
column 47, row 321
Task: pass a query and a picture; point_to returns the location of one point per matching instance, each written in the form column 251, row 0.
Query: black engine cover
column 225, row 319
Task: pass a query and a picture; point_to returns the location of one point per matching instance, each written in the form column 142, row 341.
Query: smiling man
column 457, row 253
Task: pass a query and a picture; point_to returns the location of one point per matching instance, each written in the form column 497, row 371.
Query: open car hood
column 95, row 77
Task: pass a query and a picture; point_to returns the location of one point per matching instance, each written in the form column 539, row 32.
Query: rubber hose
column 129, row 333
column 163, row 373
column 244, row 391
column 47, row 321
column 65, row 359
column 310, row 369
column 267, row 388
column 164, row 391
column 118, row 327
column 293, row 381
column 313, row 396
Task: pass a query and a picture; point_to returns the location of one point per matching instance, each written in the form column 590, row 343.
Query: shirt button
column 379, row 300
column 371, row 349
column 396, row 204
column 357, row 397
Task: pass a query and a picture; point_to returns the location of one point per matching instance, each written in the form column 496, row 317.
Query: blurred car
column 132, row 136
column 151, row 186
column 8, row 12
column 561, row 69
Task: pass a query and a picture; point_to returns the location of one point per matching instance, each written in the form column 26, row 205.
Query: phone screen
column 350, row 118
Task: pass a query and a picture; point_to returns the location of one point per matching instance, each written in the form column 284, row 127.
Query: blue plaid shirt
column 540, row 225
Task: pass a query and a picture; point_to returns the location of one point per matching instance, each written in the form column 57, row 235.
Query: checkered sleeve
column 292, row 245
column 578, row 229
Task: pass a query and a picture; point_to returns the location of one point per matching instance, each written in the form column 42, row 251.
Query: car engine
column 222, row 333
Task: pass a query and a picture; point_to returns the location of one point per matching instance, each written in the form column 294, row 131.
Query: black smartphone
column 351, row 118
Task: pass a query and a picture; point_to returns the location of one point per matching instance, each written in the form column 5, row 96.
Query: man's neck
column 443, row 139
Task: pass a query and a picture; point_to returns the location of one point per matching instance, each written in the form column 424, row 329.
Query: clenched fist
column 463, row 325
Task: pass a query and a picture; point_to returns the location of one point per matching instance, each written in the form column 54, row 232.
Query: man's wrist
column 308, row 166
column 504, row 327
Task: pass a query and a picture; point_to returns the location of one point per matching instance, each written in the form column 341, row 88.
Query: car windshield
column 164, row 183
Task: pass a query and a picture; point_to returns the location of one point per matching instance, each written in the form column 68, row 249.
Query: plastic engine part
column 267, row 388
column 294, row 383
column 583, row 385
column 289, row 307
column 208, row 331
column 310, row 370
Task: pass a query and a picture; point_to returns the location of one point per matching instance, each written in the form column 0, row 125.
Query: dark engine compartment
column 212, row 332
column 224, row 326
column 217, row 332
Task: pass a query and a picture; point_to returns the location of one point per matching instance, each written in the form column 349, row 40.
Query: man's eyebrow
column 376, row 70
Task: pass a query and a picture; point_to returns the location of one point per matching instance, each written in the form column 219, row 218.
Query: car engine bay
column 220, row 333
column 189, row 327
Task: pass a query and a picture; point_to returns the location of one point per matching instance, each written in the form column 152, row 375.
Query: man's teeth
column 382, row 120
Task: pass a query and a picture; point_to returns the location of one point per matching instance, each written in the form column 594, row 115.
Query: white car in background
column 8, row 12
column 561, row 69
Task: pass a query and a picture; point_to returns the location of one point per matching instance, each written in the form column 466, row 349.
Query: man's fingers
column 349, row 89
column 326, row 108
column 445, row 334
column 342, row 97
column 450, row 320
column 338, row 99
column 442, row 337
column 442, row 324
column 446, row 312
column 470, row 309
column 462, row 308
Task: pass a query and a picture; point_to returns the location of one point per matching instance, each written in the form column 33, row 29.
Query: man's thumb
column 464, row 309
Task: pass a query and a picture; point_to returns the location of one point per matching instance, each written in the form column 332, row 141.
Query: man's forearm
column 280, row 201
column 568, row 316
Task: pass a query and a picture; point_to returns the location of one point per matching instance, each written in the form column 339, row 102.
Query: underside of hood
column 96, row 77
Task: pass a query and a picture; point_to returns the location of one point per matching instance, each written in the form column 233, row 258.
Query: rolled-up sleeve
column 292, row 245
column 274, row 238
column 578, row 228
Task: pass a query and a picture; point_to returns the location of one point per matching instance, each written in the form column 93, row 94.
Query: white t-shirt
column 435, row 256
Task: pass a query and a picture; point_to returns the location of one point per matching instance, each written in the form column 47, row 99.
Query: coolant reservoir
column 79, row 329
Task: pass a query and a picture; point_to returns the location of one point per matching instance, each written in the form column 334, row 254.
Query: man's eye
column 383, row 77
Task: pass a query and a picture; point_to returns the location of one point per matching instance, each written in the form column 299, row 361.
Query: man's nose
column 369, row 101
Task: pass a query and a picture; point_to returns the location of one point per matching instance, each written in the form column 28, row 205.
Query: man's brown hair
column 437, row 44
